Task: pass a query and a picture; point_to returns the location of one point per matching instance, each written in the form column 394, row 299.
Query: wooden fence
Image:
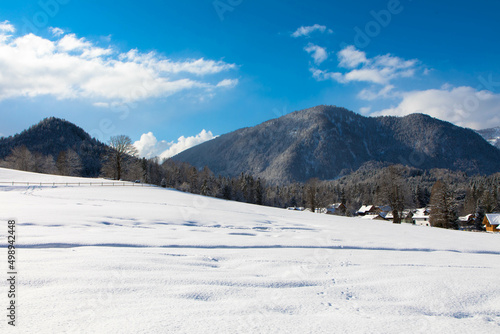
column 78, row 184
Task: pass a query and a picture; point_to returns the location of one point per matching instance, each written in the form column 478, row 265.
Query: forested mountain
column 336, row 135
column 52, row 136
column 327, row 142
column 492, row 135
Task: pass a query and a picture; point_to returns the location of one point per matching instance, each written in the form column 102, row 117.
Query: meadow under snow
column 122, row 259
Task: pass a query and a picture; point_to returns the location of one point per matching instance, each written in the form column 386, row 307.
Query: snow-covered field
column 150, row 260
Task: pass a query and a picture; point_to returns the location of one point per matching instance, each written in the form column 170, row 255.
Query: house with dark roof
column 467, row 223
column 368, row 210
column 336, row 209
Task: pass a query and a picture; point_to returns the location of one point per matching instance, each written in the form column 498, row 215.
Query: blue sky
column 164, row 71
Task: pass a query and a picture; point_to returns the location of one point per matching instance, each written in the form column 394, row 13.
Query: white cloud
column 463, row 106
column 5, row 26
column 318, row 53
column 321, row 75
column 183, row 143
column 198, row 67
column 365, row 110
column 101, row 104
column 372, row 75
column 229, row 83
column 75, row 68
column 149, row 147
column 70, row 43
column 370, row 95
column 307, row 30
column 349, row 57
column 5, row 29
column 56, row 31
column 379, row 70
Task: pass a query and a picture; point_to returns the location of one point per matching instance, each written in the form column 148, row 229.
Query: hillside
column 327, row 142
column 53, row 135
column 492, row 135
column 132, row 260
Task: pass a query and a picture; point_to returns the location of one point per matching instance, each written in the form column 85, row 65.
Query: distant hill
column 53, row 135
column 492, row 135
column 328, row 142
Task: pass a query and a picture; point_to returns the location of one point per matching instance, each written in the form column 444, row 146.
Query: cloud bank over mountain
column 149, row 146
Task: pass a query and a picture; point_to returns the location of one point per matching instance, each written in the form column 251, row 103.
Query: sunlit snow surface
column 124, row 259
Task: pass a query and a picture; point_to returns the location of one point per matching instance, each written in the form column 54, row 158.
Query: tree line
column 447, row 193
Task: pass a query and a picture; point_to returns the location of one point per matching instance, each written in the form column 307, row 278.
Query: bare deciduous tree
column 20, row 158
column 120, row 158
column 69, row 163
column 393, row 192
column 43, row 163
column 311, row 194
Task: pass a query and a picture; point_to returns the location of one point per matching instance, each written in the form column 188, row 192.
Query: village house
column 368, row 210
column 467, row 223
column 374, row 217
column 380, row 216
column 406, row 216
column 491, row 222
column 336, row 209
column 387, row 215
column 295, row 208
column 384, row 209
column 421, row 217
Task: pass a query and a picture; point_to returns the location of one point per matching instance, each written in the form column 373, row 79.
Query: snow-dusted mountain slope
column 492, row 135
column 327, row 142
column 121, row 259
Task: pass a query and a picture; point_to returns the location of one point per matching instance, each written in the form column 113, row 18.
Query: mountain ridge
column 329, row 141
column 492, row 135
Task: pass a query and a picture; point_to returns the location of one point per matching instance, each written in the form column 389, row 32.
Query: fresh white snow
column 122, row 259
column 493, row 218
